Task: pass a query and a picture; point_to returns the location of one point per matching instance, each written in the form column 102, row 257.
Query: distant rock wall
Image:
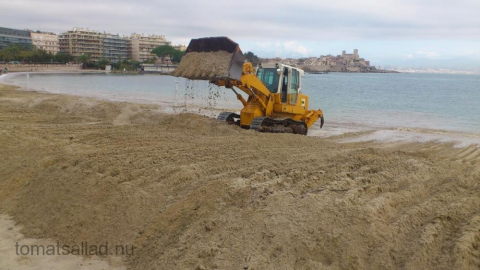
column 39, row 67
column 310, row 68
column 339, row 68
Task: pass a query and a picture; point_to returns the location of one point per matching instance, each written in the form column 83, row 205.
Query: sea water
column 433, row 101
column 448, row 102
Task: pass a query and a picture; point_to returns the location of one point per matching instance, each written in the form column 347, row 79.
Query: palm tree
column 84, row 59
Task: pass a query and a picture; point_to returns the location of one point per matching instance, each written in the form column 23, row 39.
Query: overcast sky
column 433, row 33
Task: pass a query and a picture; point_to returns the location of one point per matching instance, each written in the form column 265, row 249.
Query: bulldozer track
column 270, row 125
column 229, row 117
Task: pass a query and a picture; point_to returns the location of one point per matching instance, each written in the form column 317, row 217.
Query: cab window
column 269, row 77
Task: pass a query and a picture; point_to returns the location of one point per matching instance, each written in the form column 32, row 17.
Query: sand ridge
column 192, row 193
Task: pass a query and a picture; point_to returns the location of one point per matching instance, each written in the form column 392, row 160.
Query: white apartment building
column 140, row 46
column 45, row 41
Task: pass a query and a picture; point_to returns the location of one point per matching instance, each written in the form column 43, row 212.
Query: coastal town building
column 79, row 41
column 345, row 62
column 114, row 48
column 98, row 45
column 45, row 41
column 181, row 48
column 10, row 36
column 328, row 63
column 140, row 46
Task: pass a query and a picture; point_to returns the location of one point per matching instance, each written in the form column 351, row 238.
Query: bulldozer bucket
column 211, row 58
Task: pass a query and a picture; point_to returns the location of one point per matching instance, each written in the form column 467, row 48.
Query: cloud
column 423, row 54
column 431, row 55
column 295, row 47
column 289, row 48
column 282, row 28
column 284, row 20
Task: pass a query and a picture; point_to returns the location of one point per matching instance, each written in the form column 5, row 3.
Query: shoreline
column 345, row 132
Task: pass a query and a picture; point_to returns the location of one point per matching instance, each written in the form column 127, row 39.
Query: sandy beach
column 189, row 192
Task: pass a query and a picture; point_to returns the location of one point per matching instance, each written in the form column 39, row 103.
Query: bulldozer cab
column 281, row 79
column 269, row 77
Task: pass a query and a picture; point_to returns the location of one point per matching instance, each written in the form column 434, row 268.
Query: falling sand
column 190, row 192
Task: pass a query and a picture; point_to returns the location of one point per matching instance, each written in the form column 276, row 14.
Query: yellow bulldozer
column 275, row 102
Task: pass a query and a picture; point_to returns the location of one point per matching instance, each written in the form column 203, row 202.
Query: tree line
column 167, row 51
column 32, row 54
column 251, row 57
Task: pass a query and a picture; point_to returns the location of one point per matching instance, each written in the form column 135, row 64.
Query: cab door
column 294, row 86
column 285, row 84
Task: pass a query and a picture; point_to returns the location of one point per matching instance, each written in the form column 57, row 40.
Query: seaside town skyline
column 138, row 47
column 99, row 45
column 407, row 33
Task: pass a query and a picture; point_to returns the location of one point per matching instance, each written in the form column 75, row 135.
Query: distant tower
column 343, row 53
column 355, row 54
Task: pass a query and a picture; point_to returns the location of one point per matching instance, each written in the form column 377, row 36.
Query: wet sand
column 192, row 193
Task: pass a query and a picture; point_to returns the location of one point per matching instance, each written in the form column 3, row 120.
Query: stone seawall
column 310, row 68
column 315, row 69
column 40, row 68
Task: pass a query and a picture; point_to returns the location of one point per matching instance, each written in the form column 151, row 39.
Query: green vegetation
column 87, row 62
column 102, row 63
column 167, row 50
column 11, row 52
column 150, row 61
column 84, row 59
column 62, row 57
column 251, row 57
column 127, row 65
column 31, row 54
